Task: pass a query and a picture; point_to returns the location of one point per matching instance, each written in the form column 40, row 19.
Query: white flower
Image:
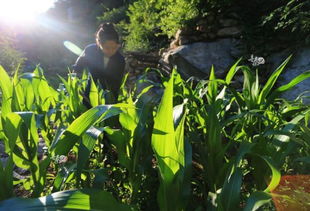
column 60, row 159
column 256, row 60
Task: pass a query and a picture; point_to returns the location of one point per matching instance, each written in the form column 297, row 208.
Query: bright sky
column 23, row 11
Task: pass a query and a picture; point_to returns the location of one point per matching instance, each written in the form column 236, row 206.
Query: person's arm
column 80, row 64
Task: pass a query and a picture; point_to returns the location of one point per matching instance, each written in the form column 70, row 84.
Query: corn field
column 174, row 145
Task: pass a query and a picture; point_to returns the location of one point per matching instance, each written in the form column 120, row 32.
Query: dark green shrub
column 263, row 21
column 292, row 17
column 114, row 15
column 151, row 21
column 144, row 16
column 177, row 14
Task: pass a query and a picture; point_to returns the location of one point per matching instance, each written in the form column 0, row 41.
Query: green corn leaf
column 212, row 86
column 11, row 128
column 179, row 139
column 290, row 85
column 80, row 125
column 93, row 94
column 64, row 175
column 288, row 128
column 178, row 112
column 119, row 139
column 30, row 143
column 163, row 137
column 87, row 199
column 295, row 81
column 232, row 71
column 29, row 95
column 230, row 194
column 43, row 92
column 18, row 101
column 275, row 174
column 272, row 80
column 256, row 200
column 6, row 179
column 244, row 148
column 86, row 147
column 7, row 92
column 168, row 145
column 164, row 146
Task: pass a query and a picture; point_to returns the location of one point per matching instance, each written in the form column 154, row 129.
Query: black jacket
column 92, row 60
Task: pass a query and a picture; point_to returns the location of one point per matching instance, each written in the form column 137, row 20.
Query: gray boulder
column 196, row 59
column 300, row 63
column 2, row 149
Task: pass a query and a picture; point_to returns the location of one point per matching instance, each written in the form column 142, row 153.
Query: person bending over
column 104, row 63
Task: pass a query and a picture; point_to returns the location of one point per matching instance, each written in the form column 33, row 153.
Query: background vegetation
column 150, row 25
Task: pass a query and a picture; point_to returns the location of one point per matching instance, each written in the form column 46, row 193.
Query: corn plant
column 215, row 147
column 85, row 199
column 171, row 152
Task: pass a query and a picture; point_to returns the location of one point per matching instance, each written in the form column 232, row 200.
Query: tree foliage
column 10, row 57
column 149, row 19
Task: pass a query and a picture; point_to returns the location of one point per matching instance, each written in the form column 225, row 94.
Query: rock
column 196, row 59
column 211, row 35
column 299, row 64
column 183, row 40
column 238, row 49
column 228, row 22
column 229, row 32
column 4, row 160
column 2, row 149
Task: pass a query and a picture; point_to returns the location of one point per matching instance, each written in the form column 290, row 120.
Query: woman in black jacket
column 103, row 61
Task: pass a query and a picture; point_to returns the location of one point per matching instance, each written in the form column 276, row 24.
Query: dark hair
column 106, row 31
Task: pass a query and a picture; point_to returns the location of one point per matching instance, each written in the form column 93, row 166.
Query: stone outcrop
column 300, row 63
column 196, row 59
column 218, row 41
column 213, row 41
column 137, row 63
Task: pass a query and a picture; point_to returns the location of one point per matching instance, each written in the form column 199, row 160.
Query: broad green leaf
column 179, row 139
column 43, row 92
column 29, row 142
column 295, row 81
column 86, row 147
column 87, row 199
column 168, row 145
column 290, row 85
column 18, row 101
column 7, row 92
column 93, row 94
column 81, row 124
column 275, row 177
column 230, row 194
column 6, row 179
column 11, row 128
column 212, row 86
column 163, row 137
column 272, row 80
column 64, row 175
column 119, row 140
column 256, row 200
column 29, row 96
column 289, row 127
column 231, row 73
column 178, row 113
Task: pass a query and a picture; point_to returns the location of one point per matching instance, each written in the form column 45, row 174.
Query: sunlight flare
column 21, row 11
